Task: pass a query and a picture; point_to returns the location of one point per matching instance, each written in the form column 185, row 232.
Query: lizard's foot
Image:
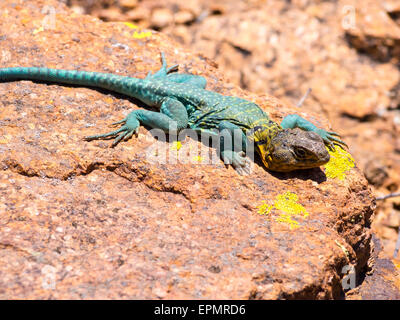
column 330, row 139
column 164, row 71
column 129, row 128
column 164, row 65
column 238, row 160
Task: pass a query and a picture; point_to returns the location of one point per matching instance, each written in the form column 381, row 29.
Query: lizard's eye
column 300, row 152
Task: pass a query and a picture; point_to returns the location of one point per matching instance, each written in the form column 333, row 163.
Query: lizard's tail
column 121, row 84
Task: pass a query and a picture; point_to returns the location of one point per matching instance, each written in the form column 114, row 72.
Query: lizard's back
column 206, row 109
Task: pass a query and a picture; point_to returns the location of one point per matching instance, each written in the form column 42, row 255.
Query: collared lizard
column 184, row 102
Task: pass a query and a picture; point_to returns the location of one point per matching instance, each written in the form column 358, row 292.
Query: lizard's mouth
column 293, row 149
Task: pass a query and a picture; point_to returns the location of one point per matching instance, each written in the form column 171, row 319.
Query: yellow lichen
column 343, row 248
column 198, row 158
column 5, row 139
column 141, row 35
column 138, row 34
column 287, row 220
column 176, row 145
column 341, row 161
column 287, row 202
column 289, row 208
column 131, row 25
column 40, row 29
column 264, row 208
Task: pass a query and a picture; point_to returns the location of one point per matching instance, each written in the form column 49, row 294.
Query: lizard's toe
column 118, row 122
column 105, row 135
column 130, row 127
column 239, row 170
column 172, row 69
column 339, row 142
column 241, row 163
column 331, row 139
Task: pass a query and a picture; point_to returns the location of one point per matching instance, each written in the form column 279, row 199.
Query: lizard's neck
column 262, row 131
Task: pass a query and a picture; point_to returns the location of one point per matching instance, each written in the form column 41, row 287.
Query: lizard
column 183, row 102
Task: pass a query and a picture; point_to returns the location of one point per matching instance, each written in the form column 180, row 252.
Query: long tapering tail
column 121, row 84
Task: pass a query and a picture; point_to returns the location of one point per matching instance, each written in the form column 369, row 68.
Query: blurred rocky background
column 346, row 51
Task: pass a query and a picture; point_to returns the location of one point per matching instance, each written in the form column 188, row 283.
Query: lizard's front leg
column 295, row 121
column 172, row 117
column 233, row 142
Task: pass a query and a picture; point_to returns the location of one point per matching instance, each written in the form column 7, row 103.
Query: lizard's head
column 292, row 149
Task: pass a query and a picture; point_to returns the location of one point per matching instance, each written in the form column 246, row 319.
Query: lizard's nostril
column 325, row 157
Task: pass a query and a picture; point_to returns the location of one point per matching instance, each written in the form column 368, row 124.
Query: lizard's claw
column 172, row 69
column 130, row 127
column 240, row 163
column 117, row 123
column 330, row 139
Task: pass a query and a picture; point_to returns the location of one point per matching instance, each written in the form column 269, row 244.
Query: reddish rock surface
column 382, row 283
column 83, row 220
column 347, row 51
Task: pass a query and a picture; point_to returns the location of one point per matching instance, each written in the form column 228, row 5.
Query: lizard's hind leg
column 167, row 73
column 191, row 79
column 172, row 118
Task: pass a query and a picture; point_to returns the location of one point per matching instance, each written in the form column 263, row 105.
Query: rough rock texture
column 83, row 220
column 382, row 283
column 347, row 51
column 375, row 32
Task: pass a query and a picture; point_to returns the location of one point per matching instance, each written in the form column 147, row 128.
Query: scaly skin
column 184, row 102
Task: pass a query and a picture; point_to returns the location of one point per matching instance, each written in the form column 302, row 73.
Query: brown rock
column 78, row 9
column 111, row 14
column 374, row 30
column 382, row 283
column 375, row 173
column 391, row 5
column 139, row 14
column 128, row 3
column 184, row 16
column 82, row 220
column 284, row 48
column 161, row 17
